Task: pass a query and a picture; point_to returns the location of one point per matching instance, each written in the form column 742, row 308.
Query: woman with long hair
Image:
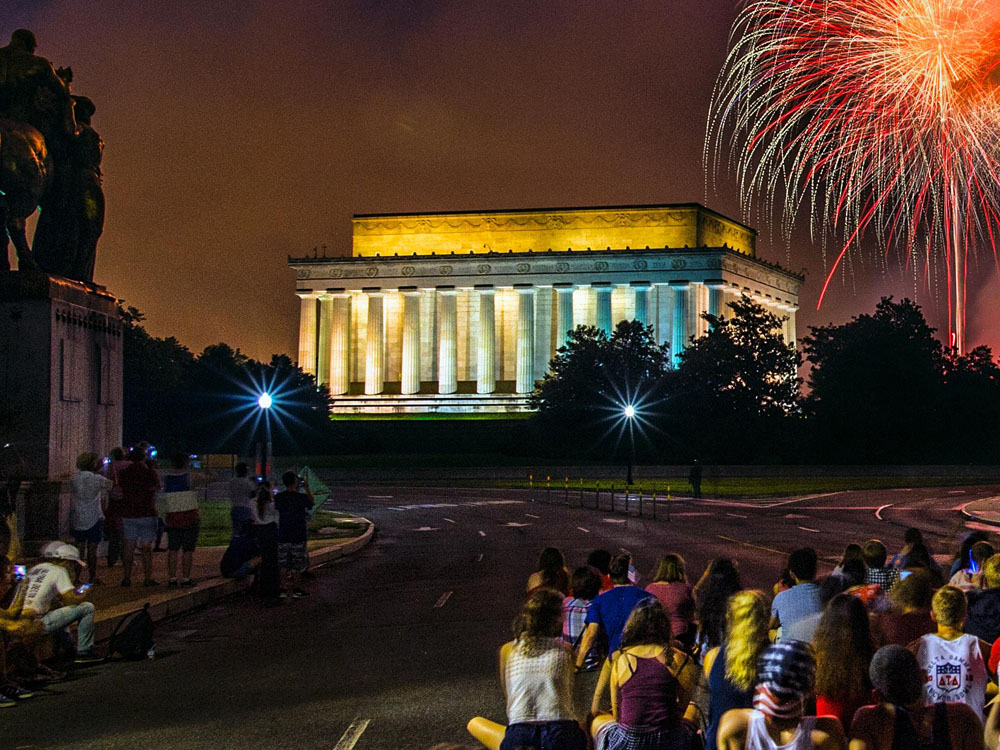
column 731, row 669
column 920, row 559
column 670, row 586
column 550, row 573
column 851, row 552
column 843, row 648
column 651, row 686
column 719, row 582
column 536, row 673
column 265, row 528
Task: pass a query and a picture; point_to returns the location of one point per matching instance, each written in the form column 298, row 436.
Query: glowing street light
column 265, row 401
column 629, row 413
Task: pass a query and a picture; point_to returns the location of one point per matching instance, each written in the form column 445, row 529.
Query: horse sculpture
column 26, row 171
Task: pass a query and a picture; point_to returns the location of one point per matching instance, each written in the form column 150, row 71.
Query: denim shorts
column 93, row 535
column 142, row 530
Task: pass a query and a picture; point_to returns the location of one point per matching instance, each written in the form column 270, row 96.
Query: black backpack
column 135, row 639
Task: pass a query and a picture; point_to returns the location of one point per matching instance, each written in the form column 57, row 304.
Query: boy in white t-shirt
column 51, row 581
column 953, row 662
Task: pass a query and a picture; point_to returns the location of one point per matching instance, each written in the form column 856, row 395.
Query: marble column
column 564, row 314
column 679, row 334
column 307, row 332
column 325, row 332
column 526, row 339
column 603, row 305
column 716, row 298
column 340, row 345
column 486, row 366
column 641, row 303
column 790, row 332
column 375, row 346
column 447, row 341
column 411, row 343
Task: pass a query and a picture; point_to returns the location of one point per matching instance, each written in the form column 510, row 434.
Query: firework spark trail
column 874, row 116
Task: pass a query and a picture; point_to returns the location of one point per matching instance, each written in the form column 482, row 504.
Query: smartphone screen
column 83, row 588
column 20, row 571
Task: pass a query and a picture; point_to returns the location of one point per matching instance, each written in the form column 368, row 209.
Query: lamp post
column 264, row 402
column 629, row 425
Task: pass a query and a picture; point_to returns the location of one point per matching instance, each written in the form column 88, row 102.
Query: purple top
column 647, row 702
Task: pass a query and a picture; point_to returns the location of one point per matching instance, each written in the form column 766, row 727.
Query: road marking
column 806, row 528
column 878, row 513
column 693, row 513
column 380, row 497
column 482, row 533
column 448, row 520
column 750, row 544
column 479, row 557
column 975, row 526
column 616, row 520
column 516, row 525
column 956, row 492
column 585, row 531
column 532, row 515
column 736, row 515
column 902, row 489
column 427, row 528
column 393, row 508
column 350, row 737
column 443, row 599
column 795, row 515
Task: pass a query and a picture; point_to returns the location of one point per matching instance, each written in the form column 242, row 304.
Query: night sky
column 238, row 133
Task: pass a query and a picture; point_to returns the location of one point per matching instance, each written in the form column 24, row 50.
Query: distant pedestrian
column 265, row 520
column 182, row 520
column 139, row 483
column 88, row 493
column 113, row 513
column 242, row 491
column 293, row 531
column 694, row 477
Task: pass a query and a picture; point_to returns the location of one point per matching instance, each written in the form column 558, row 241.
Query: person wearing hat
column 786, row 674
column 52, row 581
column 901, row 720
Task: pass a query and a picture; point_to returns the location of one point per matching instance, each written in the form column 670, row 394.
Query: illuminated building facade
column 461, row 312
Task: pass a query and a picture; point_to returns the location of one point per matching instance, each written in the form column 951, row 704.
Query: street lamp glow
column 265, row 401
column 629, row 411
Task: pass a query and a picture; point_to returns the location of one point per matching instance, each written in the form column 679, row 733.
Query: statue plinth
column 60, row 389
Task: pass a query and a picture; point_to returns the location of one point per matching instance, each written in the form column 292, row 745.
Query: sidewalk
column 986, row 510
column 113, row 601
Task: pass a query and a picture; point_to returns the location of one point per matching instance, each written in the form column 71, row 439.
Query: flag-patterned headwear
column 786, row 673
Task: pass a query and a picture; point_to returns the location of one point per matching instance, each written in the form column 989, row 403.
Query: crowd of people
column 127, row 503
column 880, row 654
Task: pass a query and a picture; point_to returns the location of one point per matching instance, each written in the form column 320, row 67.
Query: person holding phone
column 52, row 581
column 293, row 531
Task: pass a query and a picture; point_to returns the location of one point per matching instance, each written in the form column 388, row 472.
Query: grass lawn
column 216, row 528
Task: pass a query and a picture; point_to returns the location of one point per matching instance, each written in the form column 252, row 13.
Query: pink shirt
column 678, row 600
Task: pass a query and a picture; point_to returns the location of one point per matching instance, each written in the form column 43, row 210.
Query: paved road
column 397, row 646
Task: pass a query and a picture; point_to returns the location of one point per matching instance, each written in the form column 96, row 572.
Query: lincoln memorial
column 460, row 312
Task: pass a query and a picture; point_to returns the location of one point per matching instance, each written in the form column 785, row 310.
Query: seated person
column 971, row 577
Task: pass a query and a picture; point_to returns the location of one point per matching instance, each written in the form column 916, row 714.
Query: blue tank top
column 723, row 695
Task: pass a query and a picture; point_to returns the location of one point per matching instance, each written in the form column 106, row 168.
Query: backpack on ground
column 133, row 636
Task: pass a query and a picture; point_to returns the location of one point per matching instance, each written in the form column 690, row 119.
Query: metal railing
column 645, row 500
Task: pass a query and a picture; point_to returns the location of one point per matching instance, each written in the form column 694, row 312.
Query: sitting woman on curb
column 551, row 572
column 536, row 673
column 785, row 677
column 671, row 587
column 651, row 686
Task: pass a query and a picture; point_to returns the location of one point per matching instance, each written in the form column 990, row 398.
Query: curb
column 216, row 588
column 972, row 515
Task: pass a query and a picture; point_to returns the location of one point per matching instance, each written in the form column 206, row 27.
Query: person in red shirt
column 139, row 484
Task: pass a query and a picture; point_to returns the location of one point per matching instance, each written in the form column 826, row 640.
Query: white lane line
column 399, row 509
column 878, row 513
column 443, row 599
column 448, row 520
column 353, row 733
column 736, row 515
column 751, row 544
column 806, row 528
column 516, row 525
column 482, row 533
column 902, row 489
column 479, row 557
column 585, row 531
column 427, row 528
column 380, row 497
column 532, row 515
column 615, row 520
column 693, row 513
column 956, row 492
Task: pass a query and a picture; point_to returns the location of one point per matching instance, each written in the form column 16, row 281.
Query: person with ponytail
column 536, row 673
column 731, row 669
column 786, row 674
column 265, row 527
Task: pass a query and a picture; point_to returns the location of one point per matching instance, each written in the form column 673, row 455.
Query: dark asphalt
column 397, row 645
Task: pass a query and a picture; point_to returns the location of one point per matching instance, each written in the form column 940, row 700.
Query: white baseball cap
column 67, row 552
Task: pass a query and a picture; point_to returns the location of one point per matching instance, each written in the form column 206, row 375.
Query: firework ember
column 874, row 116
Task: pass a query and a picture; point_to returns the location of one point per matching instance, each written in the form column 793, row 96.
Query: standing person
column 182, row 520
column 265, row 520
column 536, row 674
column 651, row 685
column 694, row 478
column 670, row 586
column 731, row 669
column 874, row 554
column 293, row 531
column 139, row 483
column 842, row 645
column 785, row 677
column 720, row 581
column 242, row 491
column 88, row 490
column 551, row 572
column 113, row 513
column 791, row 610
column 900, row 720
column 610, row 610
column 953, row 662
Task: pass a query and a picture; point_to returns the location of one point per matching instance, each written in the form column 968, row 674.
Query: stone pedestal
column 60, row 388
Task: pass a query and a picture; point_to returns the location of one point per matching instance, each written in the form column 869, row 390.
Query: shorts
column 293, row 557
column 93, row 535
column 141, row 530
column 185, row 538
column 552, row 735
